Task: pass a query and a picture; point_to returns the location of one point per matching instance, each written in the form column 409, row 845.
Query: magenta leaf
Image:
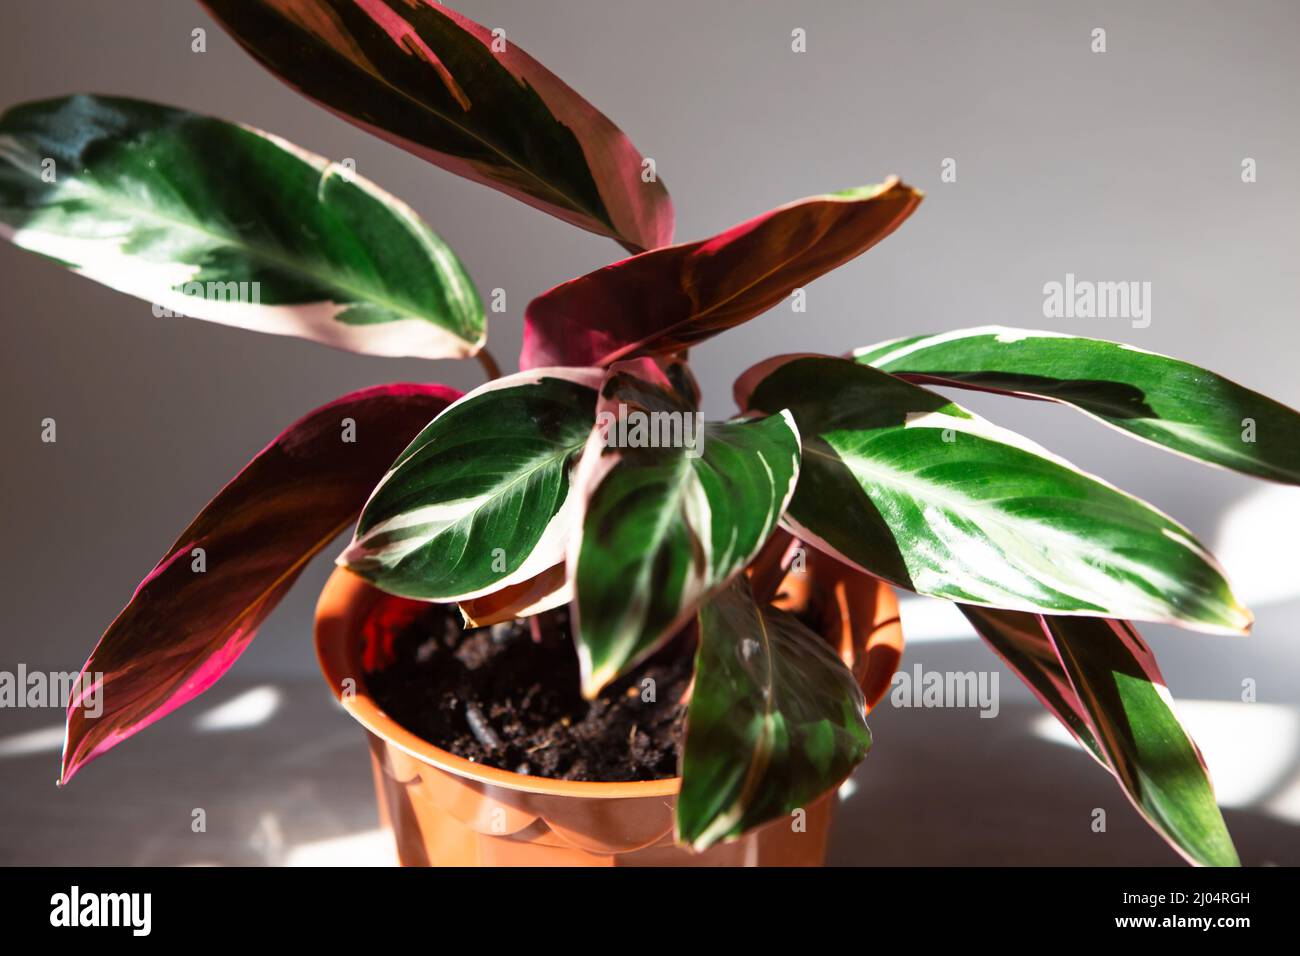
column 668, row 299
column 198, row 609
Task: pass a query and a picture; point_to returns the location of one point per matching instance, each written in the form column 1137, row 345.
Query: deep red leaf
column 670, row 299
column 182, row 629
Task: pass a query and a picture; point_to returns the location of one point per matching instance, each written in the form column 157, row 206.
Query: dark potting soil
column 497, row 696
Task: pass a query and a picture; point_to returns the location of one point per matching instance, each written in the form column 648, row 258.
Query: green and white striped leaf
column 664, row 527
column 1161, row 400
column 221, row 222
column 1113, row 698
column 481, row 500
column 775, row 720
column 910, row 487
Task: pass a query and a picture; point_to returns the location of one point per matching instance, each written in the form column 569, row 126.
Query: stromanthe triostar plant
column 528, row 493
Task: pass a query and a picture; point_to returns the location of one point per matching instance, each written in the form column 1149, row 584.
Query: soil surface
column 508, row 696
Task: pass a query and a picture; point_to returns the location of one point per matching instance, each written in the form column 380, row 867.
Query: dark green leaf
column 775, row 720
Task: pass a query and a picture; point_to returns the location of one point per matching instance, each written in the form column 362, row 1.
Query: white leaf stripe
column 1005, row 546
column 685, row 494
column 381, row 549
column 481, row 500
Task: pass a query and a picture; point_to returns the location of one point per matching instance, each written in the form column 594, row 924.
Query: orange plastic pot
column 444, row 810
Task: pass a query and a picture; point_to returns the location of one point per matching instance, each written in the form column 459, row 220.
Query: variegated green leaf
column 913, row 488
column 1156, row 398
column 665, row 526
column 1124, row 695
column 461, row 95
column 481, row 499
column 775, row 720
column 225, row 223
column 1110, row 693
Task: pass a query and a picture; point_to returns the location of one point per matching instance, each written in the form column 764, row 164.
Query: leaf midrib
column 502, row 491
column 495, row 494
column 663, row 520
column 905, row 482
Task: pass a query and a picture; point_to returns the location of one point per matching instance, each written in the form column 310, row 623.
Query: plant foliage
column 527, row 493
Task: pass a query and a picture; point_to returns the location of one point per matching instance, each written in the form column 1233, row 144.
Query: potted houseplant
column 580, row 624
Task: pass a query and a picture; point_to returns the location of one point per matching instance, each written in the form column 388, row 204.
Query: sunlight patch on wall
column 32, row 742
column 930, row 619
column 1255, row 542
column 367, row 848
column 249, row 709
column 1252, row 750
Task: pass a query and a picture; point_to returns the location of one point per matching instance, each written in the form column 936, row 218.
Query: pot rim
column 337, row 609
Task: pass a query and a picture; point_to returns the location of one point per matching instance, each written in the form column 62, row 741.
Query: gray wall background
column 1123, row 165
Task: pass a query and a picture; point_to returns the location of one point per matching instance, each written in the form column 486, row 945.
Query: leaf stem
column 490, row 366
column 768, row 571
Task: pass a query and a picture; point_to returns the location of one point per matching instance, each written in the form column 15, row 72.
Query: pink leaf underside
column 183, row 628
column 669, row 299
